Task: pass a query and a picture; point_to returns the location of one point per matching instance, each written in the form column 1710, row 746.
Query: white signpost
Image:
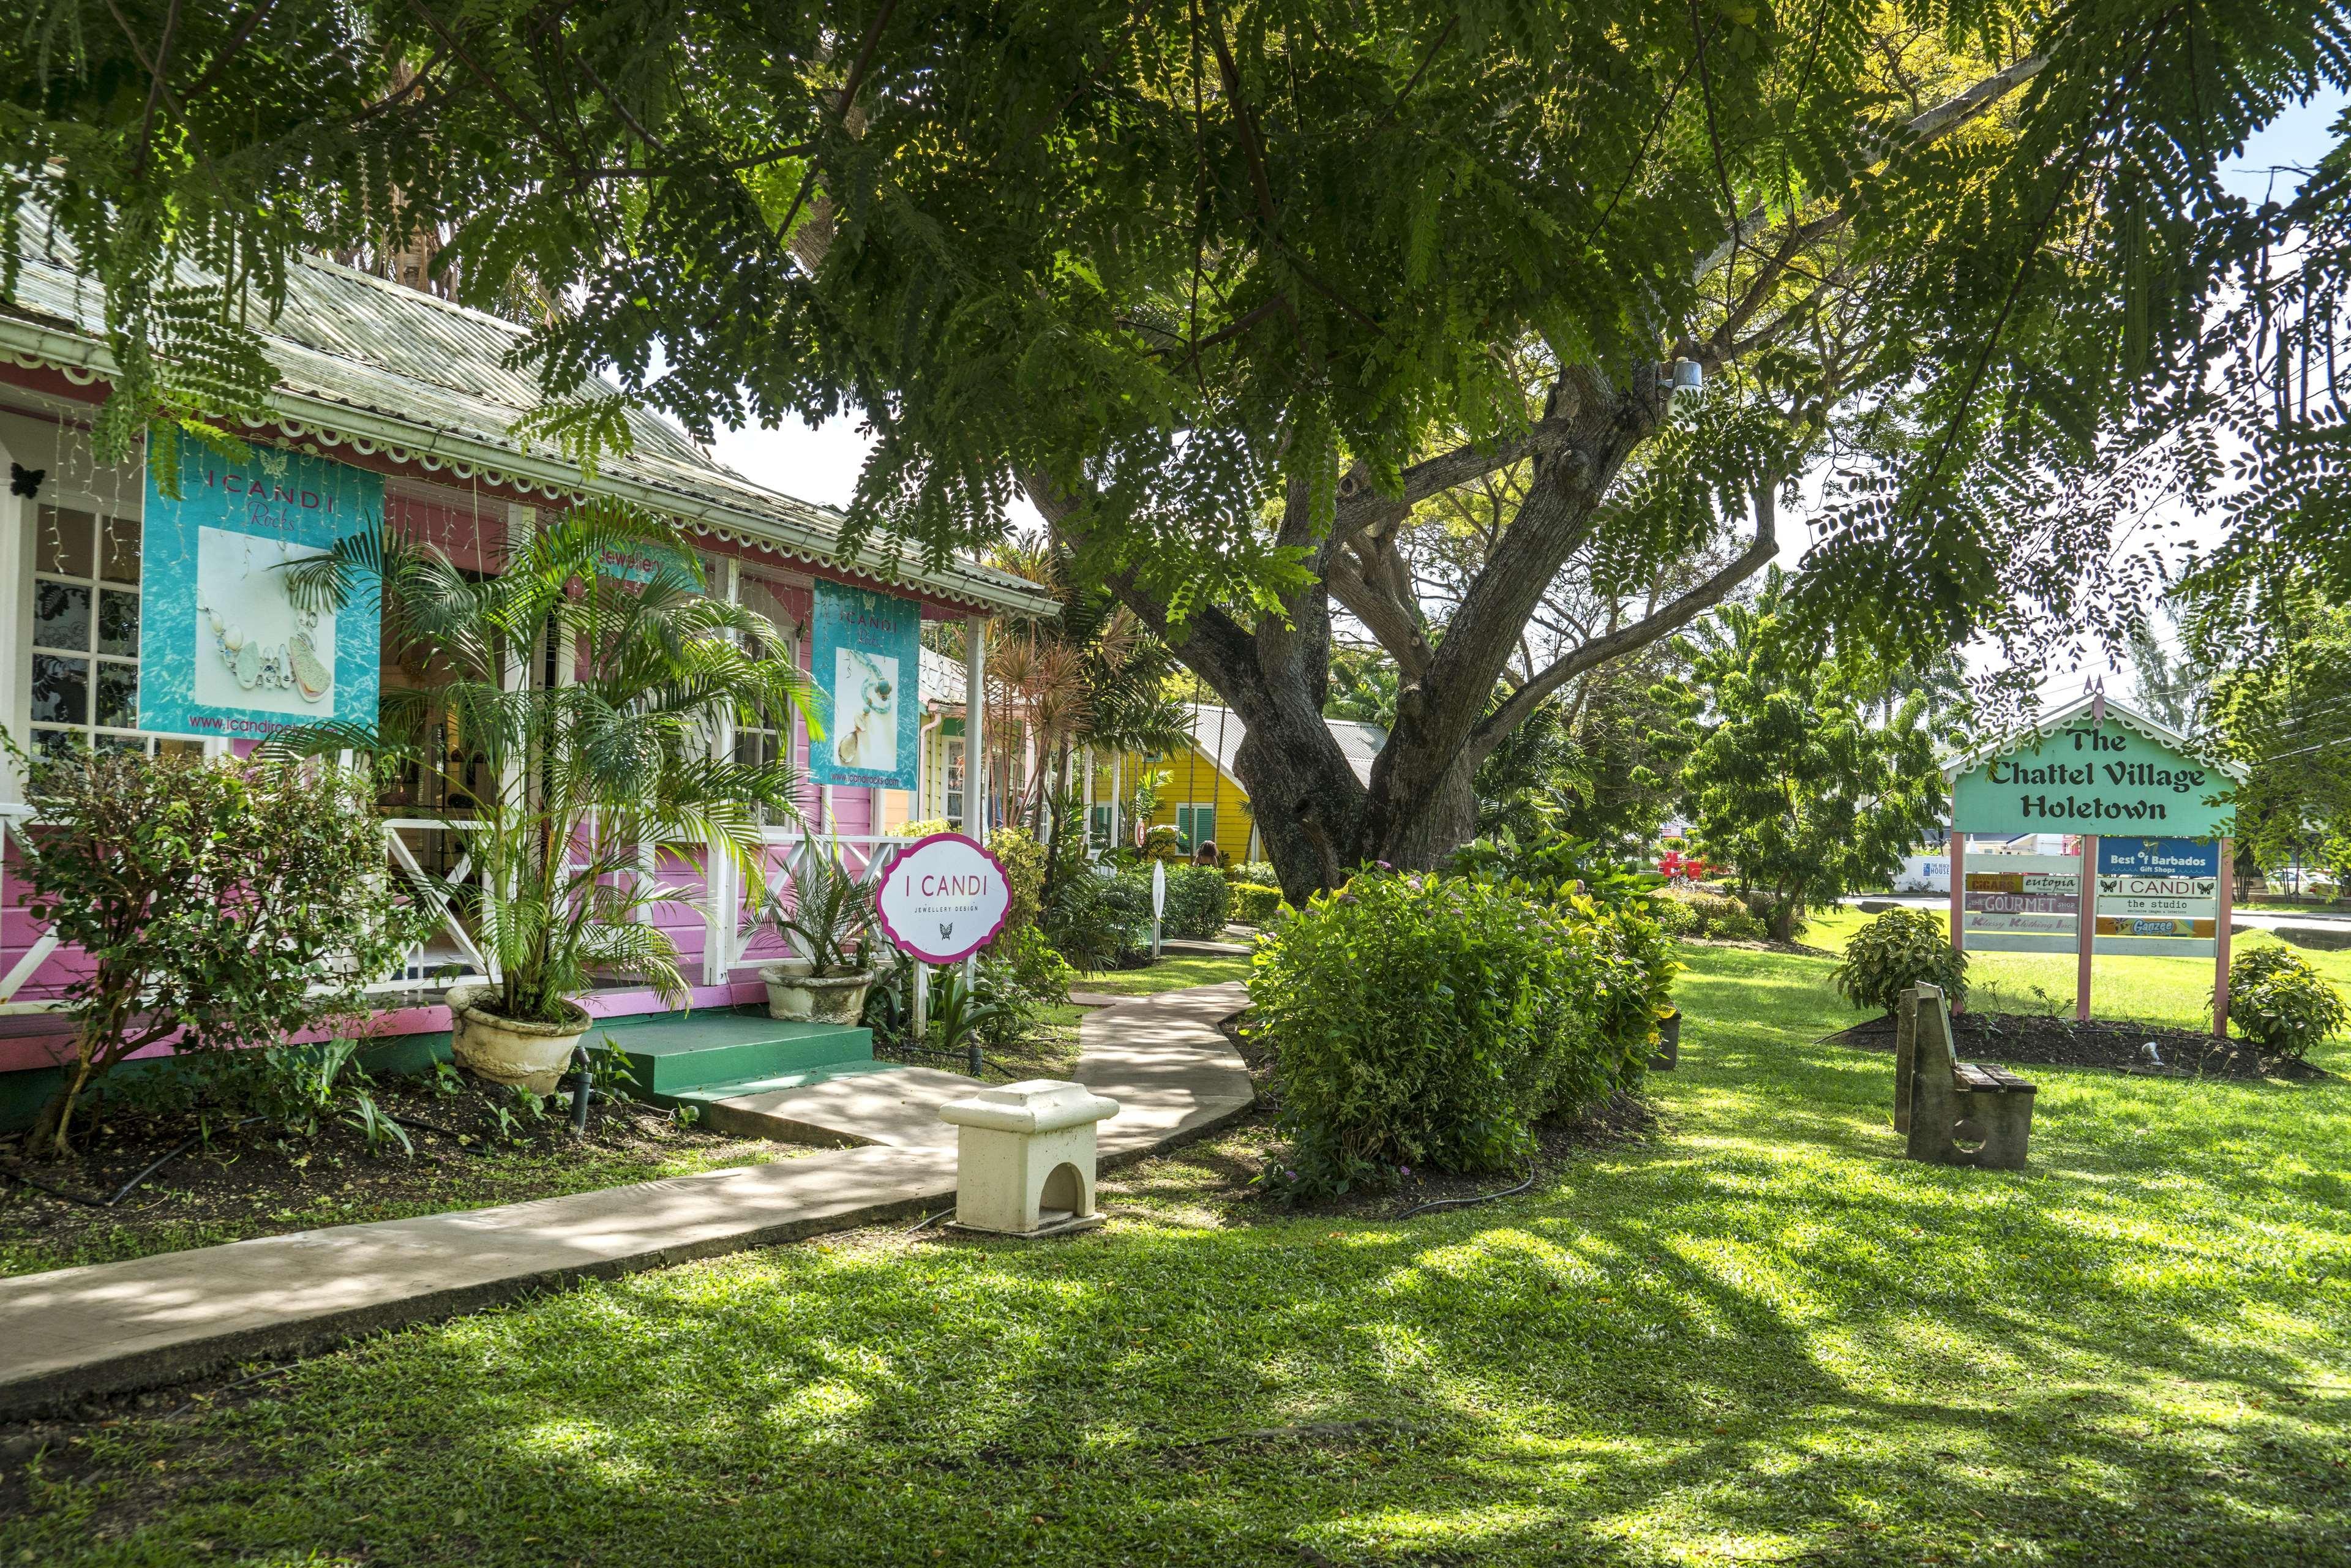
column 1158, row 902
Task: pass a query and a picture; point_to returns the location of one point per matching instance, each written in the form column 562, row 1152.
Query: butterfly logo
column 947, row 930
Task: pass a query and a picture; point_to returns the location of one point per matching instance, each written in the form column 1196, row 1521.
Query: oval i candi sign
column 944, row 898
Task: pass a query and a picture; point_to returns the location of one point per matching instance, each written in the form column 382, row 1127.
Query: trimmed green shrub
column 1900, row 949
column 2281, row 1004
column 1691, row 912
column 1255, row 904
column 1427, row 1021
column 1199, row 902
column 1256, row 874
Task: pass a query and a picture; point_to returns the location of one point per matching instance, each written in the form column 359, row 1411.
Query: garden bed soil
column 2037, row 1040
column 253, row 1182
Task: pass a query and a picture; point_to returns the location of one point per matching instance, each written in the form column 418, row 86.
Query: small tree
column 228, row 904
column 1786, row 778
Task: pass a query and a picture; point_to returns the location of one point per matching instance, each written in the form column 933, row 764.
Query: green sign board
column 2105, row 778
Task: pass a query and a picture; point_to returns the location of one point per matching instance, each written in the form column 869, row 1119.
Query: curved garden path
column 147, row 1321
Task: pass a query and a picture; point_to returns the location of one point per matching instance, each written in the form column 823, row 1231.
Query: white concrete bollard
column 1025, row 1156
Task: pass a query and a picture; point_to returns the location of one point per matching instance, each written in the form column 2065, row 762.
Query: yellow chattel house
column 1199, row 793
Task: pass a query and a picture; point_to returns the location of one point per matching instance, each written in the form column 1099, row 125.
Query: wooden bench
column 1956, row 1113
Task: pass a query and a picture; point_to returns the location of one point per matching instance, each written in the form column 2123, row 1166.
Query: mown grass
column 1170, row 974
column 2176, row 992
column 1760, row 1338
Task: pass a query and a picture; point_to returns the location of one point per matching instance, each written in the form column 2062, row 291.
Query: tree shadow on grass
column 1764, row 1340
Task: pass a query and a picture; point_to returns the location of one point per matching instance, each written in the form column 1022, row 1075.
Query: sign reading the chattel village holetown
column 224, row 649
column 2144, row 821
column 944, row 898
column 2103, row 777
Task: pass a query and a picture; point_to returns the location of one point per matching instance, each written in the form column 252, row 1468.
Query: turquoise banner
column 222, row 651
column 867, row 656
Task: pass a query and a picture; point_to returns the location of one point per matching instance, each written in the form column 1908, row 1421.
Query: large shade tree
column 1226, row 289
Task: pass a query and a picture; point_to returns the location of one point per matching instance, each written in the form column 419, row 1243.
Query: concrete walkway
column 150, row 1320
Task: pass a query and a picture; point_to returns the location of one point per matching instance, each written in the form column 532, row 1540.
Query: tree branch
column 1390, row 622
column 1624, row 640
column 1930, row 126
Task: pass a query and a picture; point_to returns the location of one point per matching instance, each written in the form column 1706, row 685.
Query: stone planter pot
column 1670, row 1043
column 530, row 1056
column 795, row 994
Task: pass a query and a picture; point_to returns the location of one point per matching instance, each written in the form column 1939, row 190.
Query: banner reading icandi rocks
column 867, row 656
column 223, row 650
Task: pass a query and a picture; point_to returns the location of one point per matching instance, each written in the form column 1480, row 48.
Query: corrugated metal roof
column 348, row 339
column 1217, row 731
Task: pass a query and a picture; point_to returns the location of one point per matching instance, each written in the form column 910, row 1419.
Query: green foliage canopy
column 1224, row 287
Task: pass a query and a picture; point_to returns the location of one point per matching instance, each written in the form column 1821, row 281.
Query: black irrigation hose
column 413, row 1123
column 130, row 1187
column 926, row 1224
column 1481, row 1198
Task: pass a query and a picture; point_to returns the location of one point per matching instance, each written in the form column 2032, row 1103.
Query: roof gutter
column 69, row 349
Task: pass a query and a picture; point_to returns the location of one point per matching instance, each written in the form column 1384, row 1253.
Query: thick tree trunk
column 1319, row 821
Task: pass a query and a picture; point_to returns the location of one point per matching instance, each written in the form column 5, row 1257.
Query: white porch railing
column 447, row 957
column 732, row 923
column 452, row 956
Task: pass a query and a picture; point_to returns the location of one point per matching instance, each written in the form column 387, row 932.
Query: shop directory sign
column 2165, row 891
column 2022, row 904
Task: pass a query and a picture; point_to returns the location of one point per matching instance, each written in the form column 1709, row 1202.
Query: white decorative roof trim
column 85, row 362
column 2120, row 712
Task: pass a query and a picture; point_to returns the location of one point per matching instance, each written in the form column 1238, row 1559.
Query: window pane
column 118, row 557
column 179, row 748
column 56, row 742
column 118, row 696
column 60, row 690
column 117, row 623
column 63, row 543
column 120, row 743
column 61, row 616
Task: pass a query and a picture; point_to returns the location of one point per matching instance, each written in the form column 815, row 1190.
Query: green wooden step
column 671, row 1053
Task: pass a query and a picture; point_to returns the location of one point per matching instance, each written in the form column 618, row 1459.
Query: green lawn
column 1167, row 975
column 2173, row 991
column 1758, row 1339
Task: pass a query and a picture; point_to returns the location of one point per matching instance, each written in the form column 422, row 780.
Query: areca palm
column 582, row 782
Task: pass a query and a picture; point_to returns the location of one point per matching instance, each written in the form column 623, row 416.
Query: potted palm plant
column 830, row 921
column 568, row 792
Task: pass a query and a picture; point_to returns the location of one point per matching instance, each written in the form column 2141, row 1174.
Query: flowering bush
column 1680, row 867
column 1432, row 1020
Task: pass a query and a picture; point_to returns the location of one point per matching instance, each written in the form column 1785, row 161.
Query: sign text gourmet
column 2025, row 893
column 944, row 898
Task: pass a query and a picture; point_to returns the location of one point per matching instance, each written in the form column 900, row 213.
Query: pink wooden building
column 388, row 379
